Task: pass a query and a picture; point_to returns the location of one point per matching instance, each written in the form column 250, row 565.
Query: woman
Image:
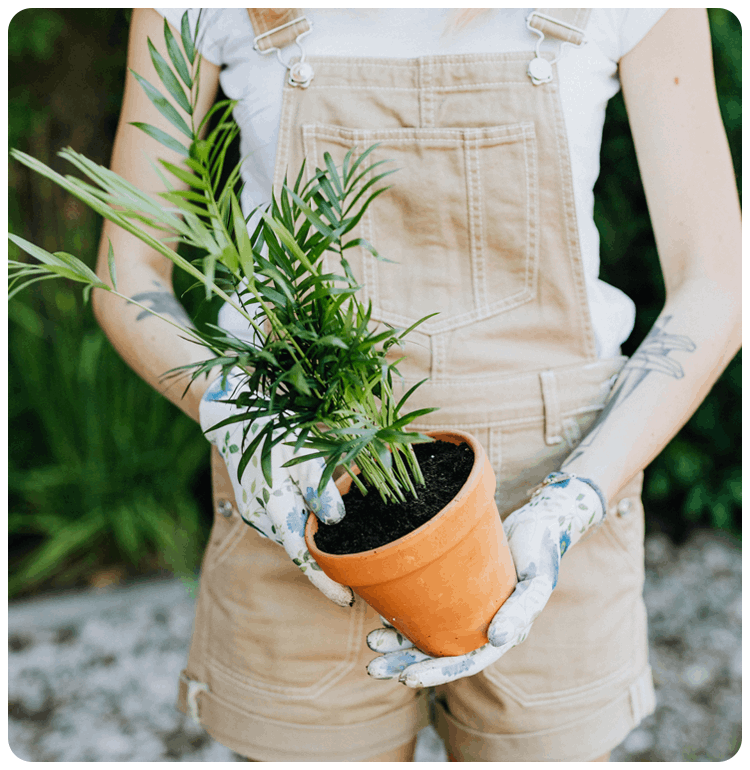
column 496, row 125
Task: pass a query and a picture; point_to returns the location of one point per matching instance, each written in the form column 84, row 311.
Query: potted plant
column 317, row 369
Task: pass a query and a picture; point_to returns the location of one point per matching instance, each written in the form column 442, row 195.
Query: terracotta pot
column 441, row 584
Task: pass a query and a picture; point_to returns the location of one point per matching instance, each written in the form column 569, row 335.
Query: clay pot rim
column 382, row 550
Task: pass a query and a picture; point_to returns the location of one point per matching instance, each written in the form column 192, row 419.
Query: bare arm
column 686, row 167
column 150, row 346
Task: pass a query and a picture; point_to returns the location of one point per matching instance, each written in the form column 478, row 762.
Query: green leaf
column 169, row 79
column 352, row 170
column 320, row 225
column 229, row 258
column 162, row 137
column 111, row 262
column 411, row 416
column 369, row 183
column 415, row 324
column 265, row 461
column 209, row 268
column 365, row 244
column 381, row 450
column 176, row 56
column 187, row 40
column 65, row 265
column 185, row 176
column 333, row 173
column 164, row 107
column 173, row 196
column 244, row 246
column 296, row 376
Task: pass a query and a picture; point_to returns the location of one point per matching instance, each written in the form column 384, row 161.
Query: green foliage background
column 102, row 470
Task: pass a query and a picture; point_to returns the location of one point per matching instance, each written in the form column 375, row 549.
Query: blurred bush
column 102, row 470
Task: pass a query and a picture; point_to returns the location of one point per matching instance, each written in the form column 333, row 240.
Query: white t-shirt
column 588, row 79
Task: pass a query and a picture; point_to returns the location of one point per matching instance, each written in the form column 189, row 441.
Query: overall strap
column 565, row 24
column 277, row 27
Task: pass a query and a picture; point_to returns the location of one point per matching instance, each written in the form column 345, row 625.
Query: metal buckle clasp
column 540, row 69
column 300, row 71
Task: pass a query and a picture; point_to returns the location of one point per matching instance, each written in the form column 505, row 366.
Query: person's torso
column 587, row 75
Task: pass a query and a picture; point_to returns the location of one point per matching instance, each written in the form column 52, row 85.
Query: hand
column 559, row 513
column 279, row 512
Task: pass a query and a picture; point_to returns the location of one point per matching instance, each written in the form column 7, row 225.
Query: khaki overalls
column 482, row 226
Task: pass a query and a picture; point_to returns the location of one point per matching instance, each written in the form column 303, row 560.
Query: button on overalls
column 481, row 224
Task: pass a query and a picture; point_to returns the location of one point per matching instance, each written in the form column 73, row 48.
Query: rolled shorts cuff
column 272, row 740
column 581, row 740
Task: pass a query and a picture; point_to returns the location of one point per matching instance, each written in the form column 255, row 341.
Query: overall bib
column 481, row 224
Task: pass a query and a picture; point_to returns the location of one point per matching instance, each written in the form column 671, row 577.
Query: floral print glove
column 279, row 513
column 562, row 509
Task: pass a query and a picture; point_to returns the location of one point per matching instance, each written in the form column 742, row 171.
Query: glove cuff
column 219, row 390
column 557, row 476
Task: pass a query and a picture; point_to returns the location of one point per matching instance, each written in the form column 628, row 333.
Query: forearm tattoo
column 164, row 302
column 653, row 355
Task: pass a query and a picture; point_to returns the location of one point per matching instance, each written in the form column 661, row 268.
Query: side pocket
column 625, row 522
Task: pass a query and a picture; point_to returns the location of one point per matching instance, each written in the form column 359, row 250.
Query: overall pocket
column 589, row 640
column 460, row 220
column 265, row 629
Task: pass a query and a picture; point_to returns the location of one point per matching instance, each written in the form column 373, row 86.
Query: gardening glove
column 278, row 513
column 562, row 509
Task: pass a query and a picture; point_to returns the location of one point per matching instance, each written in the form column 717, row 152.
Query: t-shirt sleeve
column 616, row 31
column 211, row 36
column 635, row 25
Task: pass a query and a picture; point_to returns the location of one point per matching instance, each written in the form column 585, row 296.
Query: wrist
column 606, row 476
column 565, row 477
column 212, row 391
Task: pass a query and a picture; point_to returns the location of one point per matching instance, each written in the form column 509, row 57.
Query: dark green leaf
column 185, row 176
column 162, row 137
column 169, row 79
column 164, row 107
column 111, row 262
column 176, row 56
column 187, row 40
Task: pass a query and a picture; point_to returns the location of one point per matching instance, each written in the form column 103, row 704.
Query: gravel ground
column 93, row 676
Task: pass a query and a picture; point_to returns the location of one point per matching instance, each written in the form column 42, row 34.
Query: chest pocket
column 459, row 221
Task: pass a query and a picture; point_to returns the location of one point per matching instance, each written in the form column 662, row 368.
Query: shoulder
column 616, row 31
column 218, row 31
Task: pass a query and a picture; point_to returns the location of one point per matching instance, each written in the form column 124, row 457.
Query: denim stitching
column 506, row 685
column 285, row 130
column 339, row 670
column 570, row 230
column 495, row 450
column 552, row 425
column 476, row 235
column 511, row 132
column 439, row 356
column 532, row 215
column 569, row 374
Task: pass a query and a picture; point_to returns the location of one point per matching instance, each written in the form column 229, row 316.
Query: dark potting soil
column 369, row 522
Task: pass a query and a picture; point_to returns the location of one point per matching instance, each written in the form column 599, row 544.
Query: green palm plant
column 316, row 373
